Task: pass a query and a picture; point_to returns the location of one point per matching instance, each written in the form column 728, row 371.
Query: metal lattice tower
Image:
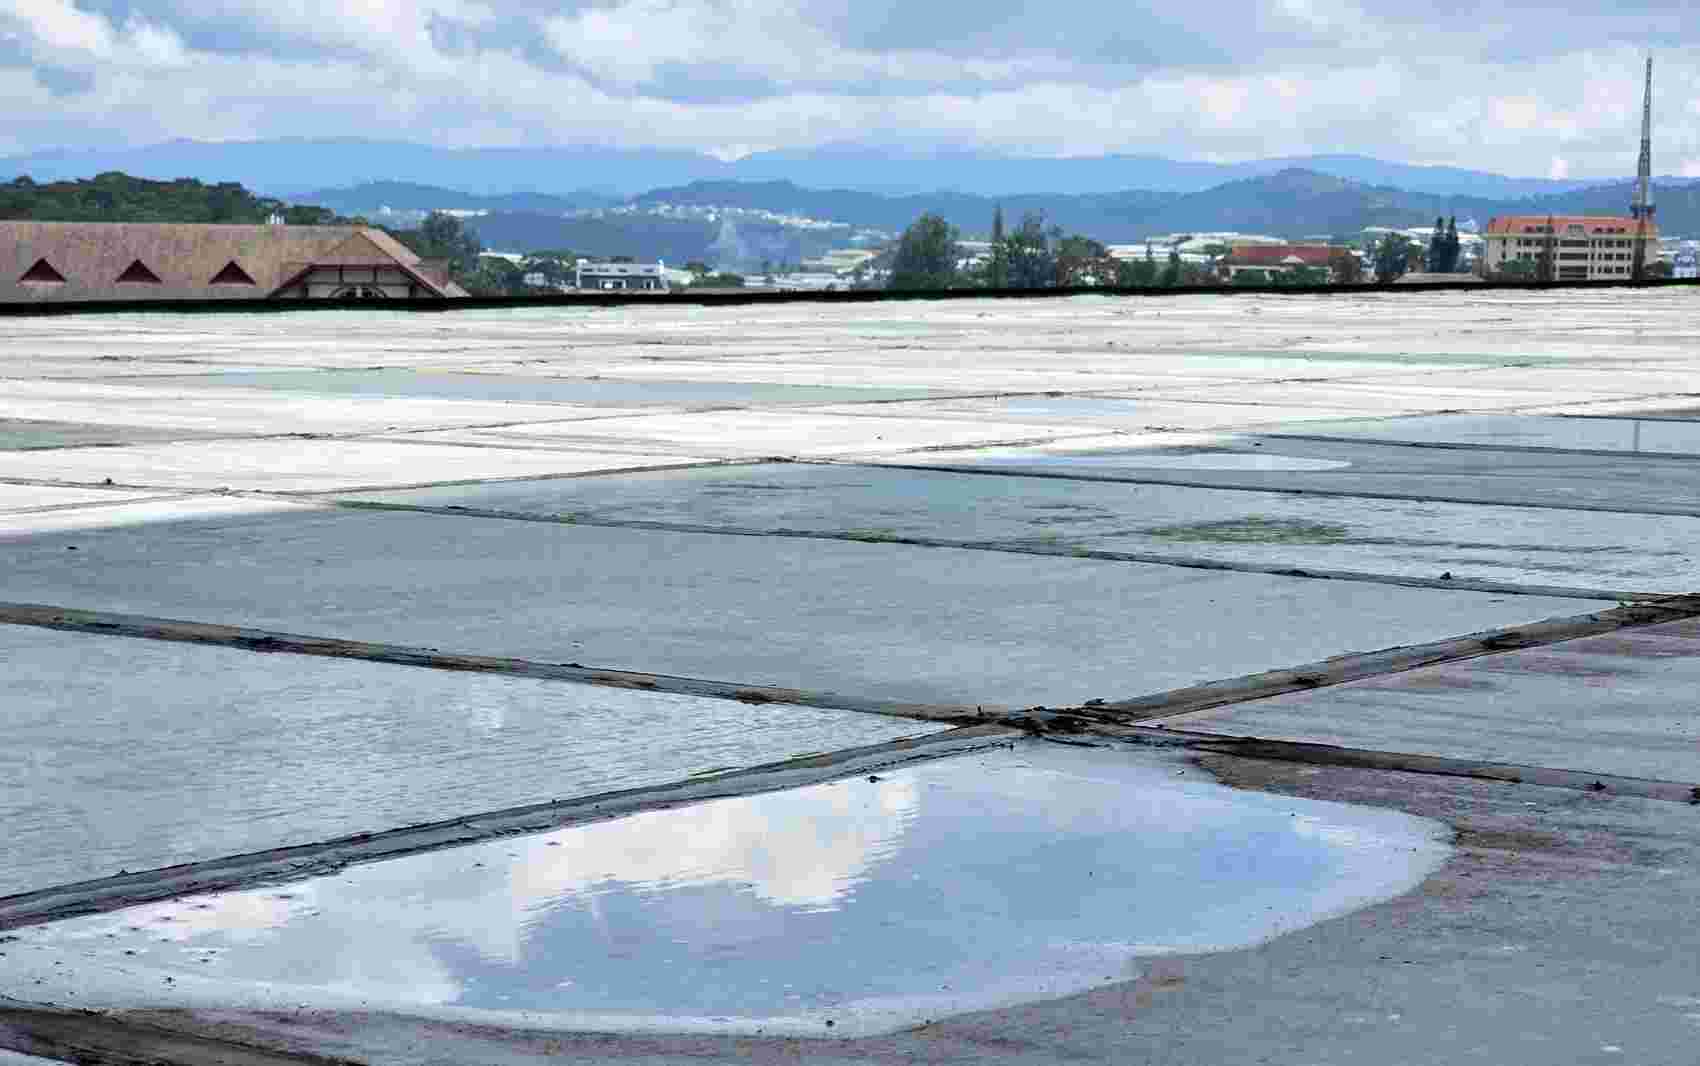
column 1642, row 208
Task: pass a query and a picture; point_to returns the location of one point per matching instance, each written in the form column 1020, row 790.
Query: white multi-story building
column 622, row 277
column 1584, row 247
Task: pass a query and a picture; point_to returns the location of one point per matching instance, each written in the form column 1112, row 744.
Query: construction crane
column 1642, row 209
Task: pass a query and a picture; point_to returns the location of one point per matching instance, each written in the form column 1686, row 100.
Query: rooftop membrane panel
column 521, row 388
column 842, row 909
column 1633, row 483
column 887, row 621
column 251, row 412
column 312, row 465
column 1610, row 434
column 1389, row 537
column 1616, row 704
column 132, row 754
column 757, row 433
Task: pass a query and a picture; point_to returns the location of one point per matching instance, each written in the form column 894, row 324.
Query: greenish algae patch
column 1254, row 529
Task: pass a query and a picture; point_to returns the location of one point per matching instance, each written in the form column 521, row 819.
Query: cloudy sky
column 1529, row 87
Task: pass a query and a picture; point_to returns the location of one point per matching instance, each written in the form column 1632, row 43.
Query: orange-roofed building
column 1584, row 247
column 1276, row 258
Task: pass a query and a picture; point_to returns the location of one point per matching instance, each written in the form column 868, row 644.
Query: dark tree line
column 116, row 197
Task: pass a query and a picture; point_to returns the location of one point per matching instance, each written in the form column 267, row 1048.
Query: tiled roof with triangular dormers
column 186, row 257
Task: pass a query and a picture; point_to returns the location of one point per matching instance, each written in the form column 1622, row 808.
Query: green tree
column 1136, row 273
column 1082, row 261
column 493, row 277
column 997, row 266
column 1171, row 275
column 1392, row 257
column 1031, row 263
column 927, row 255
column 1344, row 267
column 444, row 237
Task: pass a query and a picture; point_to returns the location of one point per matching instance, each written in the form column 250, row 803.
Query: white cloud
column 1505, row 88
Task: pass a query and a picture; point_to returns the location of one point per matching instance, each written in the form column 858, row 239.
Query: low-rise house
column 52, row 262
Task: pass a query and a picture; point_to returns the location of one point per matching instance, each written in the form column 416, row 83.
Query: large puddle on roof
column 839, row 909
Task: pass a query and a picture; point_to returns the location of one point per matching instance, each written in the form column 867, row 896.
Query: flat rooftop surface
column 1103, row 679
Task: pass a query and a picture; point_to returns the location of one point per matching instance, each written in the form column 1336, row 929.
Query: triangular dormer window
column 232, row 275
column 138, row 272
column 42, row 273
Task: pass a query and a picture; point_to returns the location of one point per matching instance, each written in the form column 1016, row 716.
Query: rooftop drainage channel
column 1344, row 494
column 920, row 541
column 279, row 865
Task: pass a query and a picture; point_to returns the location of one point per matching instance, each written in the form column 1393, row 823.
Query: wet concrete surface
column 133, row 754
column 1553, row 935
column 1615, row 704
column 1410, row 538
column 1598, row 433
column 1642, row 484
column 837, row 910
column 879, row 620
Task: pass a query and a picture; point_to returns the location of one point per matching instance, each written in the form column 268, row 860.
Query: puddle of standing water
column 839, row 909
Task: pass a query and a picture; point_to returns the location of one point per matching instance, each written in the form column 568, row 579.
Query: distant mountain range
column 295, row 167
column 1292, row 203
column 368, row 198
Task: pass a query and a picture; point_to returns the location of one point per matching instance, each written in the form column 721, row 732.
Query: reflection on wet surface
column 865, row 904
column 129, row 754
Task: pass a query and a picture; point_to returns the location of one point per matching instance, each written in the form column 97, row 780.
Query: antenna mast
column 1642, row 209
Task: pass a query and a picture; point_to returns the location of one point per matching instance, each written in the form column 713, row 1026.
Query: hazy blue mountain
column 988, row 174
column 368, row 197
column 1290, row 203
column 970, row 213
column 292, row 167
column 296, row 166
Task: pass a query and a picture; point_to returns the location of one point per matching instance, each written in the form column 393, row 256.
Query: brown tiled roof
column 1278, row 254
column 1517, row 224
column 91, row 256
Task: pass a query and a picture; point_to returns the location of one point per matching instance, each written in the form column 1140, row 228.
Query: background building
column 627, row 277
column 1584, row 247
column 63, row 261
column 1277, row 258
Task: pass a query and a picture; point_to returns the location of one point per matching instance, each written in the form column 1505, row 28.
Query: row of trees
column 1031, row 256
column 117, row 197
column 1035, row 256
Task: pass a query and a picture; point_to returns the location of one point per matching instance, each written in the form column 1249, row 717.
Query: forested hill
column 114, row 197
column 1292, row 203
column 1085, row 213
